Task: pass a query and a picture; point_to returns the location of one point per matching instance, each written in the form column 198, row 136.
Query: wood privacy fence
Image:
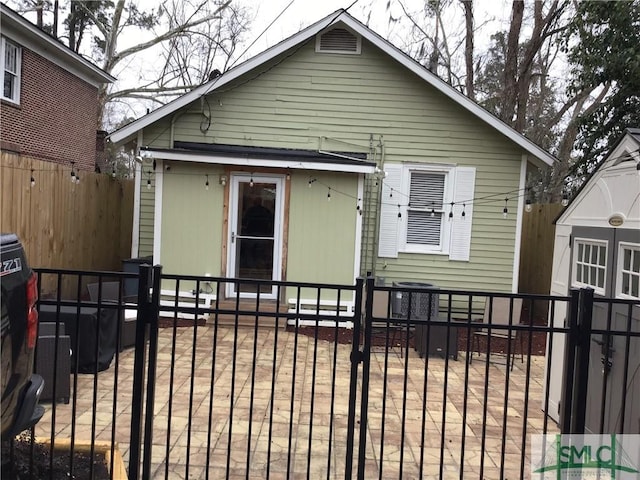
column 63, row 224
column 536, row 256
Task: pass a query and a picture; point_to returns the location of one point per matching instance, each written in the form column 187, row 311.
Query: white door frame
column 236, row 178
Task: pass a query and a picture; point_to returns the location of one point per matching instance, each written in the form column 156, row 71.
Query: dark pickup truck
column 20, row 387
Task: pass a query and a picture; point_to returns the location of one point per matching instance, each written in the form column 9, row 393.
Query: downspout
column 374, row 257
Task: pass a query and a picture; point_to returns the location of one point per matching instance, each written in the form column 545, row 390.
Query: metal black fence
column 198, row 377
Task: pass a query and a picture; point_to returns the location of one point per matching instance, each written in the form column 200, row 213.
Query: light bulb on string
column 451, row 212
column 251, row 181
column 391, row 193
column 206, row 184
column 505, row 210
column 399, row 212
column 33, row 180
column 73, row 172
column 113, row 172
column 77, row 179
column 311, row 180
column 149, row 181
column 527, row 206
column 329, row 194
column 433, row 210
column 464, row 214
column 565, row 199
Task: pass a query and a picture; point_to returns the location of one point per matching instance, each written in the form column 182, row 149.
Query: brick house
column 49, row 97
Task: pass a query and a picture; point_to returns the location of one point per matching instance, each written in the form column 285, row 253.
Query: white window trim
column 445, row 233
column 621, row 247
column 574, row 264
column 16, row 97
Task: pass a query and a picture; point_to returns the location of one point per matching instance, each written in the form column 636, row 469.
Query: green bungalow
column 328, row 156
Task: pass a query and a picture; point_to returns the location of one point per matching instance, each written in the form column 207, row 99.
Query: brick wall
column 57, row 116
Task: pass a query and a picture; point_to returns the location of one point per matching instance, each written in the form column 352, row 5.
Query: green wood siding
column 322, row 232
column 339, row 102
column 192, row 216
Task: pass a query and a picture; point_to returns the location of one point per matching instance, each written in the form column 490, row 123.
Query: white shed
column 597, row 245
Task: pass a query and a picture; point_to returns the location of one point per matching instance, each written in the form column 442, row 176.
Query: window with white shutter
column 414, row 213
column 11, row 56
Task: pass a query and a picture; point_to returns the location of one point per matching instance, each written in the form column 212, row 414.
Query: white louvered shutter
column 461, row 228
column 389, row 221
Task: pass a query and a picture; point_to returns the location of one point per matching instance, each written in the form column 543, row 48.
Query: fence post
column 366, row 365
column 356, row 358
column 581, row 384
column 571, row 341
column 135, row 443
column 154, row 313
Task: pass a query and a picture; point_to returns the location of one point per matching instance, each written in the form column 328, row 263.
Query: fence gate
column 280, row 389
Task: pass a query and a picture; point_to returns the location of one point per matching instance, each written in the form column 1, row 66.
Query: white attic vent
column 338, row 40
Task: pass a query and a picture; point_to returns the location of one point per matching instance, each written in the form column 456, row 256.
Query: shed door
column 255, row 233
column 601, row 256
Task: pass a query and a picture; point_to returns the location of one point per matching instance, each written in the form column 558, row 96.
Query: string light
column 288, row 174
column 206, row 184
column 251, row 180
column 113, row 172
column 464, row 205
column 451, row 212
column 399, row 213
column 73, row 172
column 329, row 195
column 433, row 210
column 33, row 180
column 565, row 199
column 149, row 180
column 527, row 206
column 391, row 193
column 505, row 210
column 358, row 206
column 311, row 180
column 77, row 179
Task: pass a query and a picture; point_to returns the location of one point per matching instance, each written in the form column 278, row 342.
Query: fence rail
column 415, row 389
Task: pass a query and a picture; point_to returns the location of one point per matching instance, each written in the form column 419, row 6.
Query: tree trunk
column 468, row 47
column 511, row 63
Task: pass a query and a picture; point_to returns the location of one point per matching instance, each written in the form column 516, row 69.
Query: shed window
column 590, row 265
column 628, row 280
column 10, row 71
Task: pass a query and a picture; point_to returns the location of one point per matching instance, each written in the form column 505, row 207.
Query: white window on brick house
column 11, row 57
column 414, row 214
column 590, row 264
column 628, row 280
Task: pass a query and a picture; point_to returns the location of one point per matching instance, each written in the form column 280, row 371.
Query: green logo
column 584, row 456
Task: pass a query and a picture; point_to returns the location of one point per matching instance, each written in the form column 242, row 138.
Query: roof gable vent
column 338, row 40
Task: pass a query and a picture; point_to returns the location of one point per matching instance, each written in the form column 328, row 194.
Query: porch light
column 222, row 179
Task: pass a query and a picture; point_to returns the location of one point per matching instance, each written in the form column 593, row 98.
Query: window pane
column 7, row 91
column 423, row 229
column 592, row 276
column 603, row 253
column 600, row 278
column 626, row 255
column 594, row 255
column 427, row 190
column 625, row 283
column 10, row 58
column 635, row 286
column 580, row 252
column 636, row 261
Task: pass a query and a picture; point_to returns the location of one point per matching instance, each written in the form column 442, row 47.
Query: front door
column 255, row 233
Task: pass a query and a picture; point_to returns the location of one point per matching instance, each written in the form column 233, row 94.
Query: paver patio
column 263, row 415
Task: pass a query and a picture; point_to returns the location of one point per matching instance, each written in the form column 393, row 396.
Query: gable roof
column 29, row 36
column 630, row 141
column 341, row 16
